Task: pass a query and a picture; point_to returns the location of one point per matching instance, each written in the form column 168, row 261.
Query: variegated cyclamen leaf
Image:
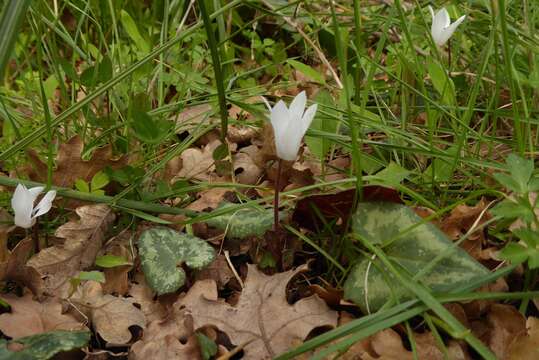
column 243, row 222
column 163, row 250
column 412, row 244
column 45, row 345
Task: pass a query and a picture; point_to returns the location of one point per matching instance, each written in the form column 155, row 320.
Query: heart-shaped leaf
column 162, row 252
column 45, row 345
column 412, row 244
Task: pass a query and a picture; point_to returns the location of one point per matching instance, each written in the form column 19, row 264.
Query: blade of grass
column 12, row 16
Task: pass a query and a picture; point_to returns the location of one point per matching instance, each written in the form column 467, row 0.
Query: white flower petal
column 22, row 203
column 45, row 204
column 279, row 118
column 308, row 117
column 431, row 12
column 297, row 107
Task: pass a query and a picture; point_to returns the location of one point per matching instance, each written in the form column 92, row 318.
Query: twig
column 316, row 49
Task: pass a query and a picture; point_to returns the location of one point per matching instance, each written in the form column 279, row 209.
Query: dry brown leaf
column 109, row 315
column 192, row 116
column 245, row 169
column 505, row 324
column 208, row 199
column 82, row 239
column 70, row 166
column 29, row 317
column 241, row 134
column 460, row 221
column 198, row 164
column 143, row 295
column 167, row 339
column 262, row 314
column 387, row 345
column 218, row 271
column 6, row 225
column 526, row 347
column 117, row 278
column 15, row 267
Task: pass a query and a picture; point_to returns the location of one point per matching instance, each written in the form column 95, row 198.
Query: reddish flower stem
column 276, row 201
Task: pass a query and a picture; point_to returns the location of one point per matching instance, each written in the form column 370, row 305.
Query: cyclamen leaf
column 414, row 245
column 163, row 250
column 243, row 222
column 45, row 345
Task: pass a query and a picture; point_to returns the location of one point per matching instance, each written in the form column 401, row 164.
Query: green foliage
column 85, row 276
column 96, row 185
column 441, row 82
column 243, row 223
column 208, row 348
column 132, row 30
column 45, row 345
column 325, row 120
column 307, row 71
column 148, row 129
column 110, row 261
column 522, row 206
column 162, row 252
column 412, row 245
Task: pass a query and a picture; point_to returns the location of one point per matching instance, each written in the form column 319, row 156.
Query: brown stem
column 276, row 201
column 35, row 237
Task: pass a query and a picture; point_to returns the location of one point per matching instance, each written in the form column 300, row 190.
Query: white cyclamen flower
column 290, row 124
column 22, row 203
column 442, row 29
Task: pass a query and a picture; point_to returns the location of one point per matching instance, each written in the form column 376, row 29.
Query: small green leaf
column 393, row 174
column 85, row 276
column 521, row 171
column 44, row 346
column 131, row 29
column 99, row 181
column 412, row 245
column 220, row 152
column 82, row 185
column 4, row 304
column 243, row 223
column 325, row 120
column 515, row 253
column 162, row 252
column 441, row 82
column 307, row 71
column 208, row 348
column 147, row 129
column 110, row 261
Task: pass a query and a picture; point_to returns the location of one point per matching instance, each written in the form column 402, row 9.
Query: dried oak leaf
column 262, row 314
column 82, row 240
column 70, row 166
column 167, row 339
column 208, row 199
column 218, row 270
column 110, row 316
column 15, row 267
column 29, row 317
column 144, row 297
column 526, row 346
column 245, row 169
column 198, row 164
column 6, row 225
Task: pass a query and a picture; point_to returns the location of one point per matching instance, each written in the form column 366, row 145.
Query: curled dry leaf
column 262, row 314
column 6, row 225
column 387, row 345
column 192, row 116
column 144, row 297
column 82, row 239
column 461, row 220
column 208, row 199
column 167, row 339
column 29, row 317
column 15, row 267
column 218, row 271
column 198, row 164
column 526, row 346
column 505, row 324
column 109, row 315
column 245, row 169
column 70, row 166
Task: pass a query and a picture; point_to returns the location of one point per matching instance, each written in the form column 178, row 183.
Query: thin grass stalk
column 217, row 69
column 356, row 136
column 13, row 14
column 521, row 146
column 36, row 134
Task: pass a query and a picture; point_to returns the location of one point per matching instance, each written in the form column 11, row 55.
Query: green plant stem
column 103, row 199
column 217, row 69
